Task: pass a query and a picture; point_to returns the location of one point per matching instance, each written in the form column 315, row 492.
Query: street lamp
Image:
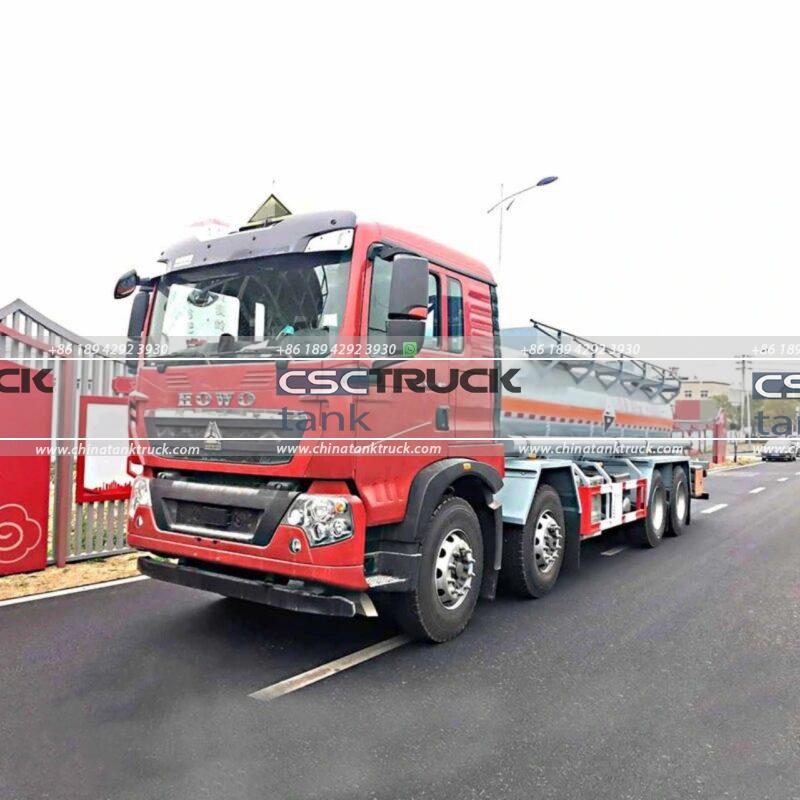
column 501, row 204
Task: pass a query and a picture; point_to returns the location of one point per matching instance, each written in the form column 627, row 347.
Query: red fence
column 42, row 515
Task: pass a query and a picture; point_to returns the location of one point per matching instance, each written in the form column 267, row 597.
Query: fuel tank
column 572, row 387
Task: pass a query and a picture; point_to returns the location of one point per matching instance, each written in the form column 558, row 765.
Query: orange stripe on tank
column 595, row 415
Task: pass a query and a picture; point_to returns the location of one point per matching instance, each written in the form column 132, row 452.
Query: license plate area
column 204, row 515
column 204, row 519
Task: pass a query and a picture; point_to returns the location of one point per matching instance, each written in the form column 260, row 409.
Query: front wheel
column 451, row 570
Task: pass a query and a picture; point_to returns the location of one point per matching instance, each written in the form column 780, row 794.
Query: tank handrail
column 653, row 377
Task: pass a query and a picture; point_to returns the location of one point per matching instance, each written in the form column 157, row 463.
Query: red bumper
column 340, row 564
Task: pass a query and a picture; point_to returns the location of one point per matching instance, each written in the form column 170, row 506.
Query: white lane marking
column 797, row 473
column 614, row 550
column 717, row 507
column 331, row 668
column 757, row 489
column 74, row 590
column 781, row 480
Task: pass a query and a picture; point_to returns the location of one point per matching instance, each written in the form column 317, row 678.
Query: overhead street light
column 501, row 204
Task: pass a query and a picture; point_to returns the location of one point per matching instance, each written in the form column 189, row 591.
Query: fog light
column 295, row 545
column 139, row 520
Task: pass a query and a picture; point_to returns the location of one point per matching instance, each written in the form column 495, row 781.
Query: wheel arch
column 473, row 481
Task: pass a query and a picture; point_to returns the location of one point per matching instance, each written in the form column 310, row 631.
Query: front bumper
column 340, row 564
column 252, row 589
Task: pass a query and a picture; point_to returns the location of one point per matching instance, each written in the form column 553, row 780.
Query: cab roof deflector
column 287, row 235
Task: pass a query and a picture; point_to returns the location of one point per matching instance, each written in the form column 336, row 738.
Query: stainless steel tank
column 574, row 388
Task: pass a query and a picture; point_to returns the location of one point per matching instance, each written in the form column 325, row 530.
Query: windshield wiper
column 259, row 347
column 275, row 344
column 188, row 354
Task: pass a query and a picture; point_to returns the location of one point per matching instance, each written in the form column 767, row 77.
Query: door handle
column 443, row 418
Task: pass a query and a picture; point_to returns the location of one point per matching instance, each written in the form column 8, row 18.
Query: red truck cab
column 308, row 437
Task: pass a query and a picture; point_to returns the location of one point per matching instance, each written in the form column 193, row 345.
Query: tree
column 733, row 415
column 776, row 412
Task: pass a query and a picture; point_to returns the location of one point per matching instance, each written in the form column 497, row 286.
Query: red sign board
column 25, row 423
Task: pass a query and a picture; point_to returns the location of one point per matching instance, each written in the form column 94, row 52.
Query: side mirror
column 407, row 335
column 135, row 327
column 408, row 308
column 408, row 293
column 126, row 285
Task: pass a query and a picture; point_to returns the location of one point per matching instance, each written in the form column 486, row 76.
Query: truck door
column 416, row 418
column 470, row 343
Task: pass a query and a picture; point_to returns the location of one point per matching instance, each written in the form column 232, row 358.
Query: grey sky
column 673, row 127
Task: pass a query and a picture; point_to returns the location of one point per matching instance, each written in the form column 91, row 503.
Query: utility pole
column 743, row 363
column 501, row 204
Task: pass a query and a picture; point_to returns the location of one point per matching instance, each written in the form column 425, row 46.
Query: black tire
column 649, row 532
column 422, row 613
column 678, row 504
column 524, row 572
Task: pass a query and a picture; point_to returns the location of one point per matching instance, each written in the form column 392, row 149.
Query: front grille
column 237, row 437
column 242, row 513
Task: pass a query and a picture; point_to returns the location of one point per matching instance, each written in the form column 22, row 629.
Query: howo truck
column 328, row 420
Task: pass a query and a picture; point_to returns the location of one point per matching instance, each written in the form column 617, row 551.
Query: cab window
column 455, row 316
column 379, row 299
column 433, row 323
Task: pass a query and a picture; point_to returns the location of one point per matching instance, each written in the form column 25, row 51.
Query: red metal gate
column 25, row 430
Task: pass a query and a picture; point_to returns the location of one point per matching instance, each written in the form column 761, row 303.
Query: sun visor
column 288, row 235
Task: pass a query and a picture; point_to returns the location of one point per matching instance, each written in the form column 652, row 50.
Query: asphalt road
column 669, row 673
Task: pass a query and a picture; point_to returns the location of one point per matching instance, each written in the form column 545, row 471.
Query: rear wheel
column 649, row 532
column 451, row 569
column 533, row 554
column 678, row 503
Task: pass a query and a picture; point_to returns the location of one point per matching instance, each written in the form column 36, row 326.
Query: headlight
column 140, row 494
column 324, row 518
column 333, row 240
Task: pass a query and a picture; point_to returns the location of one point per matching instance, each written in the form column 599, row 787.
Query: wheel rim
column 681, row 503
column 657, row 518
column 454, row 570
column 547, row 543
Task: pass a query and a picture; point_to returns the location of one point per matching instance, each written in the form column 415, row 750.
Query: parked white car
column 779, row 450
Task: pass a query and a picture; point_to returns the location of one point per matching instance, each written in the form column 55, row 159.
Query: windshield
column 254, row 308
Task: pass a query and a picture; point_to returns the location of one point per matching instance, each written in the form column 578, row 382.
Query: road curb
column 735, row 466
column 29, row 598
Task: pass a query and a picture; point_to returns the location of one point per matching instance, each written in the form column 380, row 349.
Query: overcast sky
column 674, row 129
